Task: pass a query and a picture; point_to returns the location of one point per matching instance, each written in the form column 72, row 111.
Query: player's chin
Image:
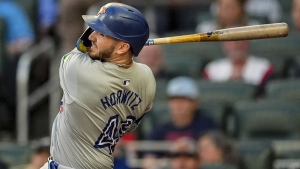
column 93, row 55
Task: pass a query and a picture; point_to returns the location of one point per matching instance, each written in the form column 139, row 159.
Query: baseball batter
column 105, row 93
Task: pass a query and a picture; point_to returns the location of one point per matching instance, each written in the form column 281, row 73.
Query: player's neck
column 124, row 65
column 122, row 61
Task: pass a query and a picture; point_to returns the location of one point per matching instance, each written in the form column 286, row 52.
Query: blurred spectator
column 230, row 13
column 185, row 120
column 183, row 154
column 47, row 12
column 294, row 35
column 214, row 147
column 296, row 14
column 20, row 34
column 37, row 159
column 239, row 64
column 19, row 37
column 270, row 10
column 153, row 57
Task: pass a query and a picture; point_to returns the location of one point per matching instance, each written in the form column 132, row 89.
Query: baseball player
column 105, row 93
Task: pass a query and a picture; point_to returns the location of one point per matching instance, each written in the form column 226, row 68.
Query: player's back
column 101, row 102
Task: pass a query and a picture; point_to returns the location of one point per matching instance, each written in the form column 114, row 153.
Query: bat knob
column 149, row 42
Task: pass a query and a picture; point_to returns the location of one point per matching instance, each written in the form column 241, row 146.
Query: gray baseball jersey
column 101, row 102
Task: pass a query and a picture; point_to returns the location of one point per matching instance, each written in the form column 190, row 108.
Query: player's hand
column 83, row 44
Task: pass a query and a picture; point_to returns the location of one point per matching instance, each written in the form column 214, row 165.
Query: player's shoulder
column 143, row 66
column 75, row 51
column 144, row 74
column 74, row 54
column 144, row 69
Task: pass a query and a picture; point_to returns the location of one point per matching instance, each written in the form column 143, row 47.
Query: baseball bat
column 262, row 31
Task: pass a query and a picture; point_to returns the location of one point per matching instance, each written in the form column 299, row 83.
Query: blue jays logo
column 102, row 10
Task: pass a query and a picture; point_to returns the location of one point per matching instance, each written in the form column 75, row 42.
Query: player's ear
column 123, row 47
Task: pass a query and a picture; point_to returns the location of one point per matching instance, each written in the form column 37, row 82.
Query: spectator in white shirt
column 239, row 64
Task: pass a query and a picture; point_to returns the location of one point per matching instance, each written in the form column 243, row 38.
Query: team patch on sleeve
column 61, row 108
column 66, row 57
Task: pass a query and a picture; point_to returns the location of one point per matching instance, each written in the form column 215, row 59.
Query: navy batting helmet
column 122, row 22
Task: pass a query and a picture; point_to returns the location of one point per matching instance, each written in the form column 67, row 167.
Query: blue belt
column 52, row 164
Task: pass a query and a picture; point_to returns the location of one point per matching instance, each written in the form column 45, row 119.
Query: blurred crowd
column 201, row 134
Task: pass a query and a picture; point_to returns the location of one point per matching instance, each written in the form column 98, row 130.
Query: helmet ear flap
column 83, row 44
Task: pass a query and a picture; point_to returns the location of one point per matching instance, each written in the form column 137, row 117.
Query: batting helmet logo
column 102, row 10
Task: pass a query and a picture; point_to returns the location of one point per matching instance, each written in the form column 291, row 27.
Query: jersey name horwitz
column 129, row 98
